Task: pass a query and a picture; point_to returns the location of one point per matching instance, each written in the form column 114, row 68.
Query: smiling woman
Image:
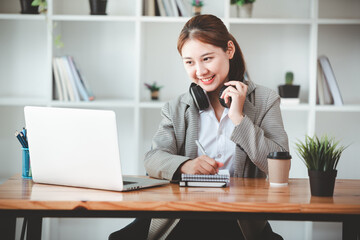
column 238, row 123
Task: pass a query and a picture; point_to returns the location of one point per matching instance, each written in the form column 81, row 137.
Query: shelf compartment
column 23, row 59
column 161, row 62
column 279, row 9
column 341, row 44
column 339, row 9
column 275, row 50
column 106, row 61
column 82, row 7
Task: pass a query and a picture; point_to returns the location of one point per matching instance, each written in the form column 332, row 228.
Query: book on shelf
column 69, row 83
column 330, row 80
column 75, row 77
column 149, row 7
column 66, row 80
column 221, row 179
column 323, row 95
column 174, row 8
column 59, row 88
column 169, row 8
column 161, row 8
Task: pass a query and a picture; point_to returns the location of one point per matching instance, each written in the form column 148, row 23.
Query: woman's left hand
column 237, row 91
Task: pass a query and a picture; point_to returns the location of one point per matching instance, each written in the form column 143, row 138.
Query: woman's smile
column 208, row 80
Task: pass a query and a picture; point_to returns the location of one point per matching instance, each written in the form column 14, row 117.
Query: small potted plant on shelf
column 154, row 90
column 40, row 4
column 243, row 8
column 321, row 157
column 27, row 8
column 98, row 7
column 289, row 92
column 197, row 5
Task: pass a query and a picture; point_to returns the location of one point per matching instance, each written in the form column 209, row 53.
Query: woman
column 237, row 134
column 237, row 138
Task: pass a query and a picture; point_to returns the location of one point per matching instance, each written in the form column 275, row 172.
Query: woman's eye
column 207, row 59
column 188, row 62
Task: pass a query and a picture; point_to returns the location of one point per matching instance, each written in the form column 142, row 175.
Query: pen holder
column 26, row 169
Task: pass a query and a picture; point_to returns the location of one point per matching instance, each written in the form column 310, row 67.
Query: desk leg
column 7, row 228
column 34, row 228
column 351, row 230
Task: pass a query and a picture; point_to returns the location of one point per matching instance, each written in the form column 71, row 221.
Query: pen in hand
column 200, row 147
column 220, row 164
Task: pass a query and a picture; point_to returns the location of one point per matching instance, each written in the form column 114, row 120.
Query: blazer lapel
column 249, row 108
column 192, row 128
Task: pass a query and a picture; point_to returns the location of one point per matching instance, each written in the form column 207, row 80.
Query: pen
column 24, row 132
column 23, row 138
column 17, row 135
column 201, row 147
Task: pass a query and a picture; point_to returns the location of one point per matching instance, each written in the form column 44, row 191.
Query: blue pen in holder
column 26, row 169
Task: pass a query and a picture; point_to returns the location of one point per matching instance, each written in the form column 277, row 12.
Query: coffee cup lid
column 279, row 155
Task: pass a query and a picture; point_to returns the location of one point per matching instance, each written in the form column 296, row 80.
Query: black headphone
column 200, row 98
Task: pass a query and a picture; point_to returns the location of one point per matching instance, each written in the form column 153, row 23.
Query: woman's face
column 207, row 65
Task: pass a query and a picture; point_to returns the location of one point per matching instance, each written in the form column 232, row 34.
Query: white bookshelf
column 118, row 52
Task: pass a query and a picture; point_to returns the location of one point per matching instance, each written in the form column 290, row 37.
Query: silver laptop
column 78, row 147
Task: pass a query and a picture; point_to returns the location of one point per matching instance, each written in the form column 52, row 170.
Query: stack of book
column 69, row 83
column 328, row 91
column 221, row 179
column 170, row 8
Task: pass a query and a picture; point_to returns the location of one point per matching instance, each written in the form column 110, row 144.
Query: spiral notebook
column 221, row 179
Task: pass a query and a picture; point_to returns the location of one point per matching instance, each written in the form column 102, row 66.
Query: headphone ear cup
column 199, row 97
column 222, row 101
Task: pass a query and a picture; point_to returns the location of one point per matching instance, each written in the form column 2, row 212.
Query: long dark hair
column 210, row 29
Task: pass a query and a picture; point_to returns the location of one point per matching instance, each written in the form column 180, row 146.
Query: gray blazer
column 260, row 132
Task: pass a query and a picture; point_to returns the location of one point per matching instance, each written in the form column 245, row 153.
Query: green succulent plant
column 289, row 78
column 320, row 154
column 153, row 87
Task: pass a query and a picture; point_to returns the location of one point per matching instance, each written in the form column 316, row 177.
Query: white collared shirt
column 214, row 136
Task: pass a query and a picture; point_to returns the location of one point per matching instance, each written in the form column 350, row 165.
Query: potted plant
column 41, row 5
column 288, row 90
column 321, row 157
column 243, row 8
column 27, row 8
column 197, row 5
column 98, row 7
column 154, row 90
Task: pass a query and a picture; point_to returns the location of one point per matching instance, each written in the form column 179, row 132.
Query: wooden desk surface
column 243, row 195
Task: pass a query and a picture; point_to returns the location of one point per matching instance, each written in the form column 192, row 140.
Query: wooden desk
column 244, row 199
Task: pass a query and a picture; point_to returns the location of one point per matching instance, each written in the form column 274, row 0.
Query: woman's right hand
column 201, row 165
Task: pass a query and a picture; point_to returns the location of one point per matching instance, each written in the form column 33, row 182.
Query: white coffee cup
column 279, row 167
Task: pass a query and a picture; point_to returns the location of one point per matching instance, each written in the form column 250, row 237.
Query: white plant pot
column 244, row 11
